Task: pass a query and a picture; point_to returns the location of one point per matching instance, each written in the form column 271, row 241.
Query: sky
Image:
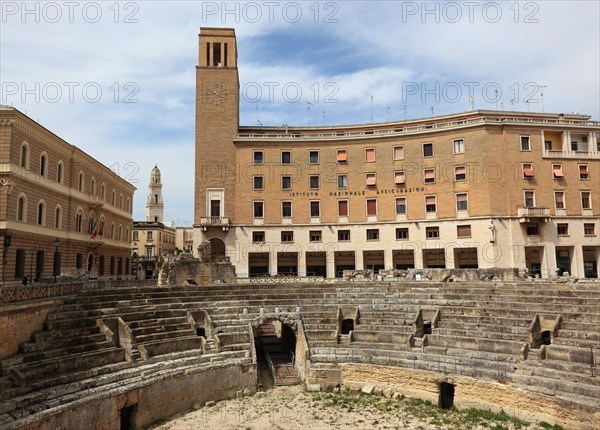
column 117, row 79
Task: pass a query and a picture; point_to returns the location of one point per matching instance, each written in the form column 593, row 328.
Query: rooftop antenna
column 388, row 113
column 258, row 122
column 308, row 113
column 496, row 91
column 501, row 105
column 371, row 109
column 431, row 110
column 324, row 116
column 542, row 94
column 472, row 100
column 405, row 111
column 527, row 102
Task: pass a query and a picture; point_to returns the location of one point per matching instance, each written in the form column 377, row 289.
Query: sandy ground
column 292, row 408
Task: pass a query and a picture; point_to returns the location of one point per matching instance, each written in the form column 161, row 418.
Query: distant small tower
column 154, row 207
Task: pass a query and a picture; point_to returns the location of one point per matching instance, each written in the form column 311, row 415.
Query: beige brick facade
column 52, row 190
column 473, row 189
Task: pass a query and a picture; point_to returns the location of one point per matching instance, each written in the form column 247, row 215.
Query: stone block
column 368, row 389
column 387, row 393
column 313, row 388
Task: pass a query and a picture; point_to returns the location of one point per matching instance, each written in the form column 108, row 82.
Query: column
column 359, row 260
column 301, row 263
column 272, row 262
column 418, row 252
column 548, row 260
column 330, row 259
column 566, row 141
column 577, row 262
column 449, row 256
column 388, row 259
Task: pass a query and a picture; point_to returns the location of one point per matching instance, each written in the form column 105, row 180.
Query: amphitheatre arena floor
column 292, row 408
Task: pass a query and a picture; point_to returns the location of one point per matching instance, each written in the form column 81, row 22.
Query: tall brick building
column 61, row 211
column 473, row 189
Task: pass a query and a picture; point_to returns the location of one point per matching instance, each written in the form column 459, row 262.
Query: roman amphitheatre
column 129, row 355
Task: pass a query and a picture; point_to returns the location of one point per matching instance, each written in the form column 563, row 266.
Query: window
column 286, row 209
column 258, row 209
column 398, row 152
column 258, row 236
column 286, row 182
column 80, row 182
column 57, row 217
column 343, row 235
column 548, row 145
column 59, row 172
column 24, row 162
column 79, row 261
column 559, row 199
column 287, row 236
column 121, row 201
column 429, row 176
column 315, row 209
column 370, row 155
column 525, row 144
column 402, row 234
column 460, row 173
column 313, row 182
column 557, row 172
column 342, row 156
column 371, row 207
column 461, row 202
column 342, row 181
column 583, row 172
column 463, row 231
column 432, row 232
column 528, row 170
column 286, row 157
column 428, row 150
column 215, row 208
column 586, row 201
column 79, row 222
column 430, row 204
column 459, row 146
column 589, row 229
column 343, row 207
column 314, row 236
column 44, row 165
column 20, row 263
column 399, row 178
column 313, row 157
column 529, row 199
column 22, row 209
column 574, row 145
column 562, row 229
column 41, row 214
column 400, row 205
column 371, row 179
column 113, row 198
column 135, row 235
column 120, row 234
column 373, row 234
column 258, row 183
column 258, row 158
column 148, row 235
column 532, row 230
column 103, row 192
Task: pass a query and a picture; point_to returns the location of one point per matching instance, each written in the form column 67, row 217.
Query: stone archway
column 217, row 248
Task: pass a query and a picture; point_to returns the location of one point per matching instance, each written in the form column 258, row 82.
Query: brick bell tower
column 217, row 120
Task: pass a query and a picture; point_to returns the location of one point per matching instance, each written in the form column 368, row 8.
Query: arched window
column 44, row 164
column 57, row 217
column 113, row 198
column 80, row 183
column 103, row 192
column 41, row 213
column 59, row 172
column 93, row 187
column 24, row 162
column 91, row 224
column 79, row 221
column 120, row 232
column 121, row 201
column 155, row 198
column 126, row 234
column 112, row 231
column 22, row 208
column 128, row 207
column 101, row 226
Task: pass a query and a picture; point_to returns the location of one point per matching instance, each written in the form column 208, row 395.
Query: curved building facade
column 477, row 189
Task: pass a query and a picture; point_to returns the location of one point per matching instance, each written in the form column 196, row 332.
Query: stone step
column 69, row 333
column 60, row 343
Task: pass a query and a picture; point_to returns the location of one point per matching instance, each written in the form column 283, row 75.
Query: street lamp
column 5, row 245
column 56, row 245
column 31, row 248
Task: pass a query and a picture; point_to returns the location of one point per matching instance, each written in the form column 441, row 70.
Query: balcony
column 571, row 154
column 214, row 221
column 533, row 214
column 95, row 202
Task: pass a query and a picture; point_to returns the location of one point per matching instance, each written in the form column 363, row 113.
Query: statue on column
column 492, row 229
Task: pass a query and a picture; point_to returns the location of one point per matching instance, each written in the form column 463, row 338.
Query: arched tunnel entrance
column 275, row 347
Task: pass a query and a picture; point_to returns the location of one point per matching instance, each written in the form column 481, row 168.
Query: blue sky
column 118, row 79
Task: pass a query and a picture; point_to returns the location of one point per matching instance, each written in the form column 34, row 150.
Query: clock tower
column 217, row 120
